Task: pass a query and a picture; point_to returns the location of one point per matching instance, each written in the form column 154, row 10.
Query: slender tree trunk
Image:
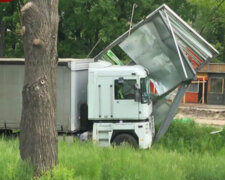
column 2, row 38
column 38, row 135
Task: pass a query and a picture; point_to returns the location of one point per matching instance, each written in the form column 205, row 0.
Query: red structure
column 209, row 87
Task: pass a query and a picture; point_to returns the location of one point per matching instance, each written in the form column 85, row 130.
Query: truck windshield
column 145, row 90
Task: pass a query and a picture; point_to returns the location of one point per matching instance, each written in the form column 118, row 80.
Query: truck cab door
column 104, row 98
column 124, row 105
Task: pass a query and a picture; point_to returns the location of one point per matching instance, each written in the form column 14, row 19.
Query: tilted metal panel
column 166, row 45
column 152, row 46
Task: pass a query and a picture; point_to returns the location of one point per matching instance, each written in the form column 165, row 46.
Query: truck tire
column 123, row 139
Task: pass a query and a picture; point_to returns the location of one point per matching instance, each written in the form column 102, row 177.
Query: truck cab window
column 125, row 90
column 145, row 90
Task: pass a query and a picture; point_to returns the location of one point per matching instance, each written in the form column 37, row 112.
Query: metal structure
column 172, row 52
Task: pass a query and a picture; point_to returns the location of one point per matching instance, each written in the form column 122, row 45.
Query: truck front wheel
column 125, row 139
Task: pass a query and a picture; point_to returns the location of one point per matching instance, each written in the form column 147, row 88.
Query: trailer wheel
column 123, row 138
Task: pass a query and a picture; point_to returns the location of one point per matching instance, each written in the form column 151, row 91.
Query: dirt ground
column 203, row 114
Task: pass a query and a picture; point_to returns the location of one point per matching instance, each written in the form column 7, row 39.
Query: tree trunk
column 38, row 135
column 2, row 38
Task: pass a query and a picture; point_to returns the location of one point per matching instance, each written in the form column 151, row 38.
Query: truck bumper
column 102, row 132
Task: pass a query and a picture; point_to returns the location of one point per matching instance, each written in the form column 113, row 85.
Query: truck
column 116, row 102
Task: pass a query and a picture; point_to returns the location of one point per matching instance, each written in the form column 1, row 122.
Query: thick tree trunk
column 2, row 38
column 38, row 135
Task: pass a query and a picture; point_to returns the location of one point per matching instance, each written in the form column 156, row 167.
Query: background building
column 209, row 86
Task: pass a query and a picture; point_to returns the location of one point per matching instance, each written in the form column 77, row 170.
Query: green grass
column 191, row 137
column 188, row 151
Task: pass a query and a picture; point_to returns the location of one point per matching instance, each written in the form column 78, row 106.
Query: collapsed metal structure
column 172, row 52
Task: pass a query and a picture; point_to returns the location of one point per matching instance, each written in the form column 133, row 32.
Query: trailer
column 115, row 102
column 72, row 78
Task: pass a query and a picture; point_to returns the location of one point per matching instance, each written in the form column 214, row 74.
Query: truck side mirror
column 137, row 97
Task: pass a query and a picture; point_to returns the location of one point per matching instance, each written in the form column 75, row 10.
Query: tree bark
column 2, row 38
column 38, row 135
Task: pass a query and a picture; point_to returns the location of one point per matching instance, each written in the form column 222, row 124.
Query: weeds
column 191, row 137
column 188, row 151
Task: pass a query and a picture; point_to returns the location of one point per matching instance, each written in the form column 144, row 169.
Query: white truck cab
column 119, row 104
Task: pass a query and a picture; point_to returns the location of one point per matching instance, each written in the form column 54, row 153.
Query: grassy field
column 188, row 151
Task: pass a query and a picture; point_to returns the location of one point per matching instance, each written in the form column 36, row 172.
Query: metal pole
column 171, row 112
column 203, row 90
column 132, row 15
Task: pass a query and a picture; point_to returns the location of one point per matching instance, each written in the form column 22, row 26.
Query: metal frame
column 176, row 44
column 171, row 112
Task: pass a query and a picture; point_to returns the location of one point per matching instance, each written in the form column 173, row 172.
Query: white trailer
column 72, row 79
column 115, row 101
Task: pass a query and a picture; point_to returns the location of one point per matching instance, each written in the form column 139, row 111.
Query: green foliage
column 210, row 23
column 83, row 23
column 10, row 164
column 194, row 138
column 9, row 14
column 188, row 151
column 58, row 173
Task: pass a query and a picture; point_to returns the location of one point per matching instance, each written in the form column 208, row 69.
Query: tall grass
column 194, row 138
column 188, row 151
column 11, row 167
